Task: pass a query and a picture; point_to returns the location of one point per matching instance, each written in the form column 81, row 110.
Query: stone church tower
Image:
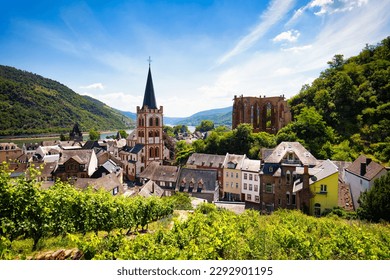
column 149, row 130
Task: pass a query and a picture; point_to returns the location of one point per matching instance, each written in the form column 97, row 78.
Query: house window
column 151, row 122
column 236, row 175
column 324, row 188
column 269, row 188
column 245, row 176
column 288, row 198
column 115, row 190
column 290, row 156
column 245, row 186
column 293, row 199
column 248, row 197
column 257, row 198
column 256, row 177
column 288, row 177
column 157, row 122
column 231, row 174
column 236, row 185
column 227, row 174
column 227, row 184
column 271, row 169
column 317, row 210
column 250, row 177
column 250, row 187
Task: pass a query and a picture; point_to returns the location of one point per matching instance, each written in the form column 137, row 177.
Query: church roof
column 149, row 97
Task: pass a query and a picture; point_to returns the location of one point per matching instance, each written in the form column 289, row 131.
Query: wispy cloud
column 326, row 7
column 290, row 36
column 284, row 71
column 274, row 13
column 93, row 86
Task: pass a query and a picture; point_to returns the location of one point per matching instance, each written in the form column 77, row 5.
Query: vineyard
column 105, row 227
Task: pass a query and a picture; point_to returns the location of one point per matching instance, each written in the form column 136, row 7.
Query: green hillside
column 32, row 104
column 352, row 97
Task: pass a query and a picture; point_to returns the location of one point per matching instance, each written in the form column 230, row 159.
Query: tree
column 94, row 135
column 205, row 125
column 375, row 202
column 123, row 133
column 312, row 129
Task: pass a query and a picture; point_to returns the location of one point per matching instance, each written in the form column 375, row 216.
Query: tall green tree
column 374, row 204
column 205, row 125
column 94, row 135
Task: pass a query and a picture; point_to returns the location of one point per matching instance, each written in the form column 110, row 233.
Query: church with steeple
column 145, row 143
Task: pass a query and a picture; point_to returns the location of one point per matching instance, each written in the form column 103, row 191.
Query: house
column 361, row 174
column 232, row 167
column 9, row 152
column 163, row 175
column 200, row 183
column 76, row 164
column 278, row 174
column 48, row 153
column 109, row 167
column 109, row 183
column 133, row 159
column 250, row 191
column 208, row 161
column 324, row 184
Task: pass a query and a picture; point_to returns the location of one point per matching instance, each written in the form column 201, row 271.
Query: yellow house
column 324, row 187
column 232, row 177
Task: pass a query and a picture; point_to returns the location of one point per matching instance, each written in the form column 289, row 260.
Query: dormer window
column 231, row 165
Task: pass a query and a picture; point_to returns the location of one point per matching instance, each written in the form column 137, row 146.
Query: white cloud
column 290, row 36
column 297, row 49
column 94, row 86
column 274, row 13
column 284, row 71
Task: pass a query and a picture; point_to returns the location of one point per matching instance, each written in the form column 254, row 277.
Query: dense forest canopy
column 352, row 97
column 32, row 104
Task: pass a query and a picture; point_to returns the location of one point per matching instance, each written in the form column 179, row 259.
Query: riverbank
column 19, row 140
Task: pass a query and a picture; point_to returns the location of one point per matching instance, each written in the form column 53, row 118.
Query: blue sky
column 203, row 52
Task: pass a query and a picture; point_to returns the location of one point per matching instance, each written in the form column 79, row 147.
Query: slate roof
column 206, row 160
column 372, row 168
column 251, row 165
column 81, row 156
column 206, row 176
column 232, row 158
column 324, row 169
column 108, row 183
column 286, row 147
column 156, row 172
column 137, row 148
column 151, row 188
column 149, row 97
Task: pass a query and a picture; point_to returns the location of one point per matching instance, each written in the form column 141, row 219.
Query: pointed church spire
column 149, row 98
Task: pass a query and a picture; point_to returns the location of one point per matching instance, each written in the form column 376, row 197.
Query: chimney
column 305, row 176
column 363, row 168
column 368, row 161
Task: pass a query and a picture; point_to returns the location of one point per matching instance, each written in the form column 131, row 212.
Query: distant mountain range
column 221, row 116
column 32, row 104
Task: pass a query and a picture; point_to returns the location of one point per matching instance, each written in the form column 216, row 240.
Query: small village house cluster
column 288, row 176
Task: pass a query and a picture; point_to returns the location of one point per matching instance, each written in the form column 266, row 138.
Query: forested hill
column 32, row 104
column 353, row 98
